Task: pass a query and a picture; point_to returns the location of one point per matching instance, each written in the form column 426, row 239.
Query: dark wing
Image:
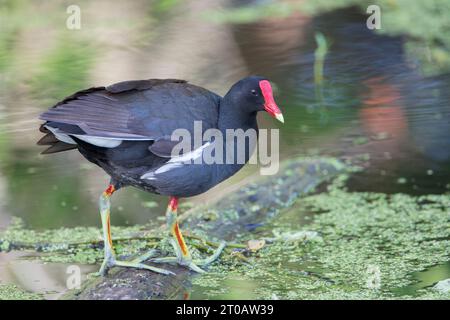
column 135, row 110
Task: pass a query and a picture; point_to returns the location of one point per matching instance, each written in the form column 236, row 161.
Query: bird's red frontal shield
column 269, row 102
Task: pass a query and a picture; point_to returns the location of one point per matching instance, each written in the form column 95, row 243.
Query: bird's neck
column 232, row 118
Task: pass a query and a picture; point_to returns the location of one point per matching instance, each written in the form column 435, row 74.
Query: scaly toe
column 138, row 265
column 166, row 260
column 146, row 256
column 182, row 262
column 213, row 257
column 195, row 268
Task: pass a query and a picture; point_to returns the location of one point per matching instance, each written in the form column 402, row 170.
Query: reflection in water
column 375, row 102
column 34, row 276
column 425, row 279
column 388, row 110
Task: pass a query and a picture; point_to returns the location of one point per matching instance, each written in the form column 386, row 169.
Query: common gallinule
column 126, row 129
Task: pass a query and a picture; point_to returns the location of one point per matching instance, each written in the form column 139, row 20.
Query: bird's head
column 254, row 94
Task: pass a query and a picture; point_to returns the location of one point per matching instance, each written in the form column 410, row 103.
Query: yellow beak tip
column 279, row 117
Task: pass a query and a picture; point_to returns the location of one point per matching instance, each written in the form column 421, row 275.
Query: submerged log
column 252, row 205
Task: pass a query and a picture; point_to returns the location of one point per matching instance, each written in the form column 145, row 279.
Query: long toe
column 213, row 257
column 195, row 268
column 182, row 262
column 138, row 265
column 150, row 254
column 192, row 265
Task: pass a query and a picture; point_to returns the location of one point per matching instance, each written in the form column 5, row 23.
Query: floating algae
column 11, row 292
column 331, row 245
column 84, row 245
column 363, row 235
column 77, row 245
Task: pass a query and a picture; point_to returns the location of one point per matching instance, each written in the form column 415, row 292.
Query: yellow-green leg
column 183, row 256
column 110, row 256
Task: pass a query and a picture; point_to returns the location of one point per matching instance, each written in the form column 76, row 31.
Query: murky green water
column 376, row 104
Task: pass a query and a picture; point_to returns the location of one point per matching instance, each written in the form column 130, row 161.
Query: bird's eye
column 254, row 92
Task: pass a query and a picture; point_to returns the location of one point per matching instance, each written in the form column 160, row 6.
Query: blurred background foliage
column 425, row 24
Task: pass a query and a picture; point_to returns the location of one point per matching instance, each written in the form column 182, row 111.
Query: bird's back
column 135, row 110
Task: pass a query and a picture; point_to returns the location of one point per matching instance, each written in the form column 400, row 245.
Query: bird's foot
column 110, row 261
column 187, row 261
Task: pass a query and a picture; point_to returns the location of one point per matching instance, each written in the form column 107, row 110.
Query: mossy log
column 253, row 204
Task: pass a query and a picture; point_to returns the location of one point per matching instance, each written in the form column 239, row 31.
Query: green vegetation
column 76, row 245
column 64, row 70
column 84, row 245
column 325, row 246
column 248, row 14
column 10, row 23
column 162, row 6
column 11, row 292
column 398, row 235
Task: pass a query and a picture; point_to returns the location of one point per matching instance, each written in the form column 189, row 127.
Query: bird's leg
column 110, row 256
column 104, row 206
column 183, row 256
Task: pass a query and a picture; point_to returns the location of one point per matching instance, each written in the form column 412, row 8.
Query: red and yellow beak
column 269, row 103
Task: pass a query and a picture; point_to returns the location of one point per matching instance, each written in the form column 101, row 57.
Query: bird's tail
column 54, row 144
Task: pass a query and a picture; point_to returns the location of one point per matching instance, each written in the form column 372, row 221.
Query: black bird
column 127, row 129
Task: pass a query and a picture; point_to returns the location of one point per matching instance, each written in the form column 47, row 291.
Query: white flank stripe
column 176, row 162
column 192, row 155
